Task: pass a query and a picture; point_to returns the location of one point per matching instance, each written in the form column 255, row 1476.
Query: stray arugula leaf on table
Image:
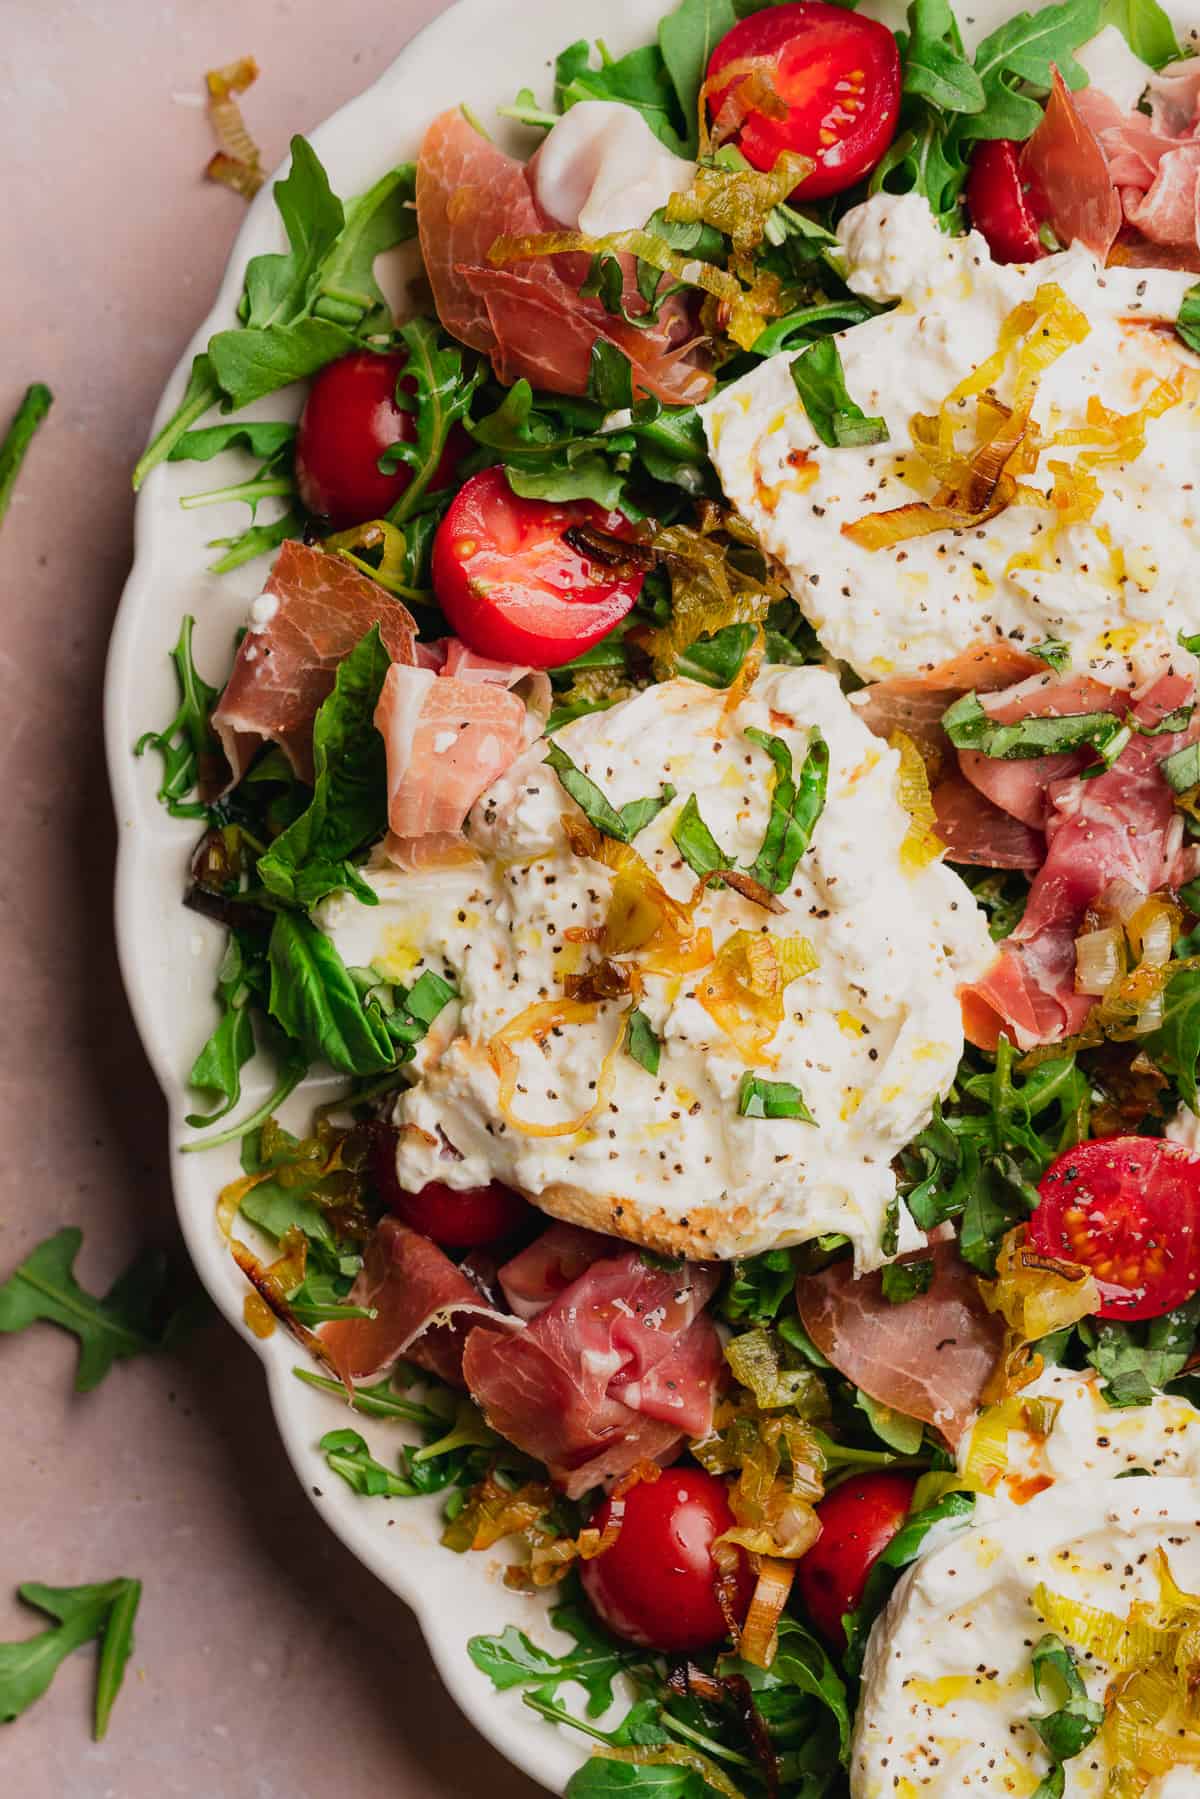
column 104, row 1612
column 132, row 1318
column 35, row 404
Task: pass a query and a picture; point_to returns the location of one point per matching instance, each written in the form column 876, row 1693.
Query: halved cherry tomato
column 656, row 1585
column 858, row 1521
column 350, row 418
column 838, row 75
column 453, row 1219
column 514, row 585
column 1001, row 204
column 1128, row 1209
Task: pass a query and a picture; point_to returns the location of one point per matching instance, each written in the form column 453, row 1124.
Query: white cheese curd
column 1184, row 1127
column 948, row 1697
column 871, row 1036
column 1116, row 588
column 1112, row 67
column 602, row 169
column 1090, row 1437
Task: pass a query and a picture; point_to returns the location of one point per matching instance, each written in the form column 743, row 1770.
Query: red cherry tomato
column 455, row 1220
column 350, row 418
column 1127, row 1208
column 512, row 583
column 656, row 1585
column 1001, row 204
column 858, row 1521
column 839, row 76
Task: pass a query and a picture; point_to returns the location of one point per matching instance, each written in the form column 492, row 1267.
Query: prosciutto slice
column 975, row 831
column 914, row 704
column 528, row 317
column 1067, row 170
column 1152, row 166
column 447, row 739
column 426, row 1307
column 539, row 1274
column 285, row 666
column 1020, row 787
column 929, row 1358
column 620, row 1367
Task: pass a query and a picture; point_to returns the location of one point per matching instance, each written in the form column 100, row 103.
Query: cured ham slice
column 975, row 831
column 528, row 317
column 426, row 1308
column 1020, row 787
column 621, row 1366
column 1167, row 212
column 551, row 1264
column 285, row 665
column 914, row 704
column 447, row 740
column 929, row 1358
column 1153, row 165
column 1067, row 170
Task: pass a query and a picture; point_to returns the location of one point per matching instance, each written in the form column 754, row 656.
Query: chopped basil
column 970, row 727
column 796, row 805
column 641, row 1042
column 903, row 1281
column 1056, row 654
column 1181, row 770
column 1067, row 1731
column 821, row 383
column 771, row 1099
column 1187, row 324
column 1179, row 720
column 623, row 823
column 1192, row 643
column 696, row 843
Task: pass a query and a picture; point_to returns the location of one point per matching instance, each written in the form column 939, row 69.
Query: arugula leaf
column 759, row 1286
column 687, row 38
column 903, row 1434
column 796, row 805
column 924, row 158
column 1187, row 325
column 187, row 744
column 125, row 1322
column 641, row 1042
column 903, row 1549
column 820, row 381
column 1146, row 29
column 346, row 290
column 696, row 843
column 1138, row 1360
column 255, row 540
column 935, row 65
column 445, row 386
column 1174, row 1047
column 639, row 79
column 1069, row 1730
column 800, row 1663
column 218, row 1067
column 1020, row 54
column 758, row 1098
column 262, row 437
column 35, row 404
column 593, row 1662
column 348, row 1456
column 105, row 1610
column 604, row 1778
column 317, row 1003
column 715, row 661
column 903, row 1281
column 795, row 329
column 349, row 802
column 623, row 824
column 969, row 726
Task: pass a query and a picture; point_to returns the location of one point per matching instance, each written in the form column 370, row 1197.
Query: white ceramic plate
column 479, row 52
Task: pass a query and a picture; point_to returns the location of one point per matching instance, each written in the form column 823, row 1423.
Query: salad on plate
column 714, row 768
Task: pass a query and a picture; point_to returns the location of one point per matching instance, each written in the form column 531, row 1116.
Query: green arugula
column 303, row 307
column 1145, row 27
column 715, row 661
column 641, row 1042
column 1067, row 1731
column 593, row 1661
column 317, row 1003
column 902, row 1281
column 1137, row 1361
column 104, row 1612
column 218, row 1067
column 1174, row 1047
column 820, row 381
column 1020, row 55
column 187, row 745
column 623, row 823
column 796, row 805
column 759, row 1286
column 255, row 541
column 349, row 802
column 1054, row 654
column 127, row 1321
column 639, row 79
column 261, row 437
column 970, row 727
column 605, row 1778
column 687, row 38
column 758, row 1098
column 35, row 404
column 936, row 68
column 903, row 1549
column 438, row 385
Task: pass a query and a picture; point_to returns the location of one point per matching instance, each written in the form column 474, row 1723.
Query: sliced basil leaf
column 796, row 805
column 625, row 824
column 1187, row 325
column 1181, row 770
column 1055, row 654
column 1068, row 1731
column 771, row 1099
column 641, row 1042
column 821, row 383
column 903, row 1281
column 970, row 727
column 1179, row 720
column 637, row 814
column 696, row 843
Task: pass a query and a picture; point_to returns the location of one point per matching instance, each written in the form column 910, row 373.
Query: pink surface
column 267, row 1662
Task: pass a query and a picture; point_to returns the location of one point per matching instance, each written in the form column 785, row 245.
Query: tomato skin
column 656, row 1585
column 1001, row 206
column 452, row 1219
column 513, row 587
column 858, row 1521
column 350, row 418
column 1128, row 1209
column 839, row 75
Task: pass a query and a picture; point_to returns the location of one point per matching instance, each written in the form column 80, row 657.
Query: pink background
column 267, row 1663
